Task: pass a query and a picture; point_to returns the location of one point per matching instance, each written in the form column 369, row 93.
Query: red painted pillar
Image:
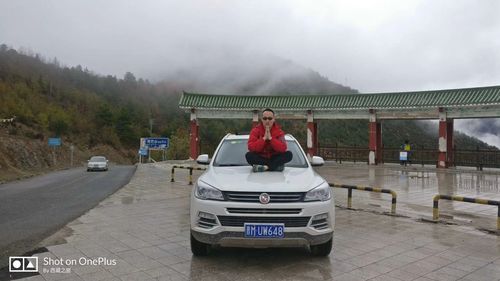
column 311, row 135
column 315, row 139
column 379, row 142
column 443, row 143
column 194, row 142
column 375, row 139
column 449, row 142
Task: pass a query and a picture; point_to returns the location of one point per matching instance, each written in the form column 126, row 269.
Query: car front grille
column 253, row 197
column 263, row 211
column 240, row 221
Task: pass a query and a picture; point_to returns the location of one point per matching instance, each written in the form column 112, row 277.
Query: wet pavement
column 144, row 229
column 416, row 186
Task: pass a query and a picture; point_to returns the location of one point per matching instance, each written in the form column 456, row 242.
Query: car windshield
column 98, row 159
column 232, row 153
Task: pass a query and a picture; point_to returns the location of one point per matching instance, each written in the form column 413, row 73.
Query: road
column 33, row 209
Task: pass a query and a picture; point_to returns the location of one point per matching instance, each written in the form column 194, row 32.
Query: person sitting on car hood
column 267, row 145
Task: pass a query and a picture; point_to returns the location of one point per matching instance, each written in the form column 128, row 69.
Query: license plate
column 264, row 230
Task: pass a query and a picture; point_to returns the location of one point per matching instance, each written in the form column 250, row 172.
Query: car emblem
column 264, row 198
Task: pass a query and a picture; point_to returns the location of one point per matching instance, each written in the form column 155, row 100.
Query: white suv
column 232, row 206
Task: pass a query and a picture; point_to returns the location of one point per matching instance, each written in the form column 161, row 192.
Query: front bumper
column 99, row 168
column 236, row 239
column 233, row 236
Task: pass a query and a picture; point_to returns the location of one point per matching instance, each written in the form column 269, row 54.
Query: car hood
column 243, row 179
column 97, row 163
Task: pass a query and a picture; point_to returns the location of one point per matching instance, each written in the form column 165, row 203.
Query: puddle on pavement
column 416, row 188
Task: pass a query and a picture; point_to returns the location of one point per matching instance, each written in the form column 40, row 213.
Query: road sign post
column 54, row 142
column 154, row 144
column 72, row 149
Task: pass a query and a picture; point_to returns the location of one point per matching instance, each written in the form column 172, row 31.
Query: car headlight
column 206, row 192
column 322, row 192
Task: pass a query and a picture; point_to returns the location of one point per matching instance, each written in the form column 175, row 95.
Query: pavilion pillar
column 194, row 139
column 255, row 118
column 449, row 142
column 378, row 154
column 445, row 157
column 375, row 139
column 312, row 137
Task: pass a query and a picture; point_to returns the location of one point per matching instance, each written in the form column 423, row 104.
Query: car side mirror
column 317, row 161
column 107, row 160
column 203, row 159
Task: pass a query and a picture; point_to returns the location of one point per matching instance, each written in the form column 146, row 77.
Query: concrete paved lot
column 144, row 227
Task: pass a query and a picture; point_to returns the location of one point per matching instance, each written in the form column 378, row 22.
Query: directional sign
column 143, row 151
column 156, row 143
column 54, row 141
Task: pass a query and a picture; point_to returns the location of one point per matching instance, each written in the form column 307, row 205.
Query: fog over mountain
column 217, row 46
column 487, row 130
column 249, row 73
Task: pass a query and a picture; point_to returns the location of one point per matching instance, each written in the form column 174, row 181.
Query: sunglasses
column 267, row 118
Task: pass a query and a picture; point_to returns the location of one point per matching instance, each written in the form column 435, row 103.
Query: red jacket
column 266, row 148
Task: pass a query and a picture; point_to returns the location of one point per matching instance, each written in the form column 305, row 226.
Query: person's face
column 267, row 118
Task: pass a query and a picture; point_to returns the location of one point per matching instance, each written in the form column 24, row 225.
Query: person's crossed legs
column 275, row 163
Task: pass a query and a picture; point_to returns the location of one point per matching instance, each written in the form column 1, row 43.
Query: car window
column 232, row 153
column 98, row 159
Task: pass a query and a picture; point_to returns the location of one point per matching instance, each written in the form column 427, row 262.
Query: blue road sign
column 54, row 141
column 156, row 143
column 143, row 151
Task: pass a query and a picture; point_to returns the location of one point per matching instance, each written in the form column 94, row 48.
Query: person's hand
column 268, row 133
column 265, row 133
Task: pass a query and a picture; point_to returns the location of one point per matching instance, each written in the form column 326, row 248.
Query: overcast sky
column 372, row 46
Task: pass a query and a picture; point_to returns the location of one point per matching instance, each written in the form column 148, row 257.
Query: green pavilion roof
column 483, row 96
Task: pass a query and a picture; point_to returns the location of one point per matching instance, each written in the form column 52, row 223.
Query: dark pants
column 273, row 162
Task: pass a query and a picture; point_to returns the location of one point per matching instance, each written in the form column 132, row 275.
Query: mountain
column 99, row 114
column 240, row 74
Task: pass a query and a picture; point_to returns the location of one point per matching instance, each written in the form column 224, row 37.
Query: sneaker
column 280, row 168
column 258, row 168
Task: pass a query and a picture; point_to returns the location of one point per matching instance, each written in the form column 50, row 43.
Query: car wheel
column 88, row 170
column 198, row 248
column 322, row 250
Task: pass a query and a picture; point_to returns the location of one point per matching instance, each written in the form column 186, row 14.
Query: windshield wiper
column 229, row 165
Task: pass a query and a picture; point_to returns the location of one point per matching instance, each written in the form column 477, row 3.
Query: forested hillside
column 93, row 111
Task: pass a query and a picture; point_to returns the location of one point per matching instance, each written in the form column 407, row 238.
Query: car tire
column 322, row 250
column 199, row 248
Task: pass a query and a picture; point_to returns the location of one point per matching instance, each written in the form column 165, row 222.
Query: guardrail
column 479, row 158
column 190, row 172
column 435, row 205
column 366, row 188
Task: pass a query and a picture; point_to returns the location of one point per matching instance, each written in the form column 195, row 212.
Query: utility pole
column 151, row 127
column 72, row 148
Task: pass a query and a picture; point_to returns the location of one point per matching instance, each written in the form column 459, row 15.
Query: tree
column 179, row 145
column 104, row 116
column 124, row 128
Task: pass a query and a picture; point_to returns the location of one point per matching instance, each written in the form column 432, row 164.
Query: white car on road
column 97, row 163
column 232, row 206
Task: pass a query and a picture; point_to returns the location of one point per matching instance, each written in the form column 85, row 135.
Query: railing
column 366, row 188
column 477, row 158
column 339, row 154
column 190, row 176
column 420, row 155
column 437, row 197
